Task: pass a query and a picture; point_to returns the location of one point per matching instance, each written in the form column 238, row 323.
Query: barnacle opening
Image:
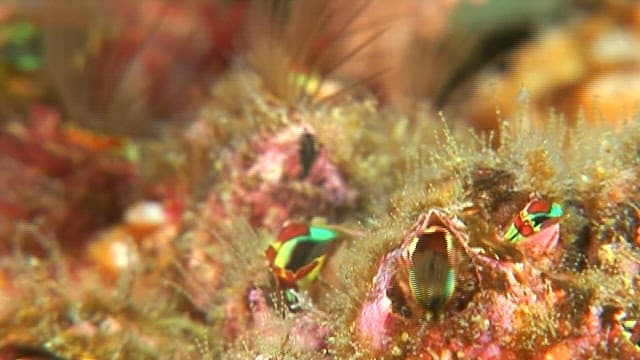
column 432, row 268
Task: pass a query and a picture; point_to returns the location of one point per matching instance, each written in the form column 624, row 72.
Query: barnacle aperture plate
column 535, row 216
column 308, row 153
column 435, row 257
column 432, row 264
column 299, row 253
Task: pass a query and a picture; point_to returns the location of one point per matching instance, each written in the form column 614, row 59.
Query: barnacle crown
column 631, row 330
column 298, row 254
column 535, row 216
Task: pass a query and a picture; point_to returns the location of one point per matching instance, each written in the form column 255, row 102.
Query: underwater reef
column 254, row 180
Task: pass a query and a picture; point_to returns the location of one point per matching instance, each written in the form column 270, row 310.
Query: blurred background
column 125, row 66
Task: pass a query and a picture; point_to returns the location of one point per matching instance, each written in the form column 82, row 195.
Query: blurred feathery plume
column 120, row 66
column 299, row 48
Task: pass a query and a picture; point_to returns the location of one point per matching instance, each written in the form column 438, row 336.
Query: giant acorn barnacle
column 431, row 273
column 437, row 263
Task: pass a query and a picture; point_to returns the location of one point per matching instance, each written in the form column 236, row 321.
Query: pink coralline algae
column 268, row 187
column 541, row 245
column 377, row 319
column 399, row 297
column 308, row 333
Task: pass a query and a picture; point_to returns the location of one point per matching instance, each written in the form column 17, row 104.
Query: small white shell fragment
column 146, row 213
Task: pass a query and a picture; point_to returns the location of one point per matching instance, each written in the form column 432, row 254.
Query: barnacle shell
column 430, row 258
column 419, row 278
column 279, row 175
column 304, row 332
column 377, row 319
column 435, row 258
column 542, row 243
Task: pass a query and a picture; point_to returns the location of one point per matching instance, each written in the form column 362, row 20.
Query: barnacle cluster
column 296, row 215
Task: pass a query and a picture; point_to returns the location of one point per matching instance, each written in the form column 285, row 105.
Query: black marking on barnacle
column 308, row 153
